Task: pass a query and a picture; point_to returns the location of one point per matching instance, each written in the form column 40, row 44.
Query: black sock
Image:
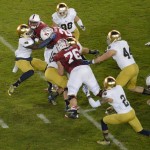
column 16, row 84
column 23, row 77
column 145, row 132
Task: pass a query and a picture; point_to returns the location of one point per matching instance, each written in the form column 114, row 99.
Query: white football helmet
column 34, row 21
column 62, row 9
column 23, row 30
column 148, row 81
column 113, row 36
column 62, row 44
column 109, row 82
column 46, row 33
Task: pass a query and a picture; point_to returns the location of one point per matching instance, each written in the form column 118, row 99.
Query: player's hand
column 110, row 110
column 147, row 44
column 94, row 52
column 83, row 28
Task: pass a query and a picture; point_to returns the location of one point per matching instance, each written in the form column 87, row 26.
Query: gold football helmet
column 23, row 30
column 62, row 9
column 71, row 40
column 109, row 82
column 113, row 36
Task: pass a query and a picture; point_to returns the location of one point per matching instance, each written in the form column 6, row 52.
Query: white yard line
column 89, row 110
column 84, row 113
column 115, row 141
column 43, row 118
column 3, row 124
column 7, row 44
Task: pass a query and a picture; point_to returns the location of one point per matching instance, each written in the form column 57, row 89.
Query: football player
column 69, row 59
column 51, row 50
column 119, row 50
column 66, row 18
column 115, row 96
column 24, row 61
column 36, row 25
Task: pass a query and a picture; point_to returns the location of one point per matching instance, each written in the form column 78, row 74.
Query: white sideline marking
column 7, row 44
column 3, row 124
column 42, row 117
column 119, row 144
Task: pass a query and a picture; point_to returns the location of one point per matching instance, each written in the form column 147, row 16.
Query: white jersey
column 123, row 56
column 120, row 102
column 22, row 51
column 66, row 23
column 50, row 53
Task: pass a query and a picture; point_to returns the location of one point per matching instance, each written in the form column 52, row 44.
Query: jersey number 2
column 125, row 102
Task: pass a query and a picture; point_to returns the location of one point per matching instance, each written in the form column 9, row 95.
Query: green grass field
column 28, row 132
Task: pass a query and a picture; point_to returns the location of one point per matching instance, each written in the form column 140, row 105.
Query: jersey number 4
column 126, row 53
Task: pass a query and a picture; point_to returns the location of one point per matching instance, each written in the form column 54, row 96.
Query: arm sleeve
column 94, row 103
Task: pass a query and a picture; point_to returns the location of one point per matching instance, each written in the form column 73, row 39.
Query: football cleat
column 52, row 97
column 72, row 113
column 86, row 90
column 103, row 142
column 11, row 90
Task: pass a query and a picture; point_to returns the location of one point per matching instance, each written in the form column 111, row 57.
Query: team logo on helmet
column 34, row 21
column 113, row 36
column 23, row 30
column 62, row 9
column 109, row 82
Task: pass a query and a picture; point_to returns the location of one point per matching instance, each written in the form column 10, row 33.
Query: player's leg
column 76, row 34
column 38, row 64
column 74, row 84
column 113, row 119
column 124, row 76
column 136, row 125
column 51, row 75
column 27, row 70
column 133, row 80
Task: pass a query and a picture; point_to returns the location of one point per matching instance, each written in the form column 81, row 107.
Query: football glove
column 110, row 110
column 87, row 62
column 94, row 52
column 83, row 28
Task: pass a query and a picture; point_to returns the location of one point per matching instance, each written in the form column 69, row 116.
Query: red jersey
column 39, row 28
column 69, row 58
column 60, row 34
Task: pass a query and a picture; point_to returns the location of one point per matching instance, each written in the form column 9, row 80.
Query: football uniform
column 24, row 61
column 79, row 74
column 126, row 62
column 125, row 113
column 38, row 29
column 67, row 23
column 51, row 50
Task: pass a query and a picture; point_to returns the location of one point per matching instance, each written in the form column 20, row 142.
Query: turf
column 26, row 131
